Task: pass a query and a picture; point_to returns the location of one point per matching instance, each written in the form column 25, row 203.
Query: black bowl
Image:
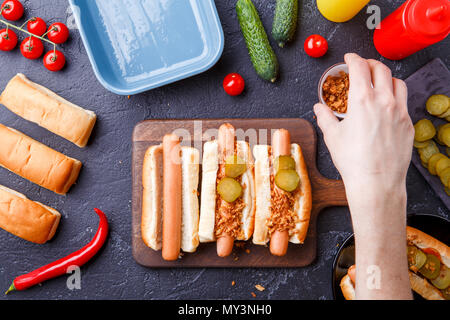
column 435, row 226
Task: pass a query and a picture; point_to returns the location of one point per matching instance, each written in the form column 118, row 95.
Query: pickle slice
column 284, row 163
column 416, row 257
column 427, row 152
column 447, row 191
column 437, row 104
column 420, row 145
column 445, row 136
column 432, row 162
column 234, row 166
column 229, row 189
column 440, row 131
column 446, row 293
column 445, row 177
column 432, row 267
column 441, row 165
column 424, row 130
column 287, row 180
column 443, row 280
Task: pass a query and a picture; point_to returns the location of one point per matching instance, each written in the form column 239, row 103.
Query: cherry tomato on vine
column 233, row 84
column 316, row 46
column 8, row 40
column 54, row 60
column 58, row 33
column 12, row 10
column 32, row 48
column 37, row 26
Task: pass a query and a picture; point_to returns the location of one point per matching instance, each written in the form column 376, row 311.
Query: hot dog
column 283, row 194
column 281, row 146
column 227, row 199
column 429, row 268
column 170, row 208
column 171, row 197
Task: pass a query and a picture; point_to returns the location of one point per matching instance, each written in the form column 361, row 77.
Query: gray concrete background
column 105, row 180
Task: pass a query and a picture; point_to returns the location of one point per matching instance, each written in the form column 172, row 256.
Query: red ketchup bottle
column 417, row 24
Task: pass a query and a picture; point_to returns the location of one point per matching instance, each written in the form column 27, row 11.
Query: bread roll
column 303, row 203
column 152, row 198
column 208, row 195
column 27, row 219
column 36, row 162
column 37, row 104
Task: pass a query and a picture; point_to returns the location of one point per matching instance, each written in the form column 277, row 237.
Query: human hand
column 373, row 144
column 372, row 150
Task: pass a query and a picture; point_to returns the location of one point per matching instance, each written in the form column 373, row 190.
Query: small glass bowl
column 334, row 72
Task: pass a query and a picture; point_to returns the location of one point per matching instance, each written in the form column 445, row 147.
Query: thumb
column 326, row 120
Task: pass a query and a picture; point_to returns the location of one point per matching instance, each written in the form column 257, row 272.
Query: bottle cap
column 430, row 18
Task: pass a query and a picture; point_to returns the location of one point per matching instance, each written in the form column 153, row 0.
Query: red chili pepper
column 59, row 267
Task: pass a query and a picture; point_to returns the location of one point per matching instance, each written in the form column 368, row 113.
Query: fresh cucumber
column 261, row 54
column 285, row 21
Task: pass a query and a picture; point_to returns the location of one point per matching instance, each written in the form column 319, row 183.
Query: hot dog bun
column 152, row 198
column 27, row 219
column 347, row 287
column 208, row 192
column 36, row 162
column 418, row 283
column 38, row 104
column 423, row 241
column 303, row 203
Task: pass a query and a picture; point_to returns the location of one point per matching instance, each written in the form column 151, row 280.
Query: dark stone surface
column 105, row 180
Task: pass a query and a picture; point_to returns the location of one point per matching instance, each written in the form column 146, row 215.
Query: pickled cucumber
column 443, row 280
column 432, row 162
column 427, row 152
column 420, row 145
column 229, row 189
column 445, row 177
column 284, row 163
column 416, row 257
column 234, row 166
column 441, row 165
column 287, row 180
column 431, row 268
column 446, row 293
column 437, row 104
column 424, row 130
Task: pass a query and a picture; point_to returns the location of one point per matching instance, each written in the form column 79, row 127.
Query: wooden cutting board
column 325, row 192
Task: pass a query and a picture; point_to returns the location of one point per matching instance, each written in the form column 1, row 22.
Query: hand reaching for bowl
column 372, row 150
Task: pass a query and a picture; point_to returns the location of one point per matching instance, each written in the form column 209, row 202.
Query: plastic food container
column 138, row 45
column 333, row 71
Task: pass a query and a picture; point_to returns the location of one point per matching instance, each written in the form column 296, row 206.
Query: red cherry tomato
column 32, row 48
column 233, row 84
column 316, row 46
column 12, row 10
column 37, row 26
column 8, row 40
column 58, row 33
column 54, row 60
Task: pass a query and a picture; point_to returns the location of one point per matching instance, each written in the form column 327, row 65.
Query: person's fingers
column 326, row 120
column 359, row 72
column 381, row 75
column 400, row 93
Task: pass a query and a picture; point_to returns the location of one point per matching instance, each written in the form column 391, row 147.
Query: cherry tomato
column 58, row 33
column 8, row 40
column 12, row 10
column 54, row 60
column 32, row 48
column 37, row 26
column 233, row 84
column 316, row 46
